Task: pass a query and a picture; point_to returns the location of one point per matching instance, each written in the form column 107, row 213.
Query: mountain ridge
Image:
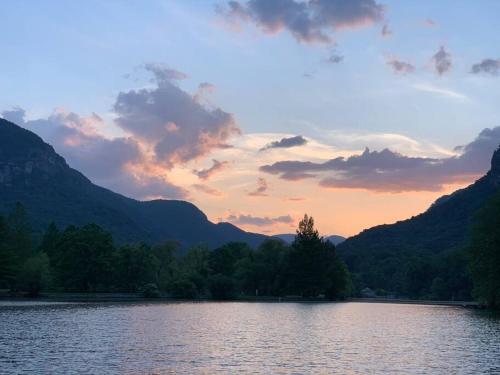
column 32, row 173
column 442, row 228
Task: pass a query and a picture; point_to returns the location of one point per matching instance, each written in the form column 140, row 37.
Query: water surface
column 269, row 338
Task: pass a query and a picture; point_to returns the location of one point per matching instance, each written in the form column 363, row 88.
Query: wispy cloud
column 488, row 66
column 400, row 67
column 428, row 22
column 386, row 32
column 217, row 167
column 286, row 143
column 427, row 87
column 259, row 221
column 207, row 190
column 262, row 187
column 334, row 58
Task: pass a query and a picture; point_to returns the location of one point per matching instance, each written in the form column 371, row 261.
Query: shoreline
column 133, row 297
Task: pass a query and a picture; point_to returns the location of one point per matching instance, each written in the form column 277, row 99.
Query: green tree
column 417, row 276
column 136, row 266
column 228, row 265
column 314, row 267
column 224, row 259
column 15, row 245
column 20, row 232
column 439, row 289
column 35, row 275
column 485, row 253
column 8, row 259
column 50, row 239
column 222, row 287
column 194, row 267
column 308, row 260
column 83, row 259
column 270, row 266
column 167, row 269
column 339, row 283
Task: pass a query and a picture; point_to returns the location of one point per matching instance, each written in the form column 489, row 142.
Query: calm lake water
column 268, row 338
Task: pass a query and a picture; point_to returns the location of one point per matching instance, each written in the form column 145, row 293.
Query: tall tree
column 135, row 267
column 312, row 263
column 20, row 233
column 50, row 239
column 485, row 253
column 269, row 267
column 84, row 258
column 8, row 261
column 167, row 267
column 35, row 275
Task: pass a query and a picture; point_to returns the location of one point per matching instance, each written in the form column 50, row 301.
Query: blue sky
column 78, row 56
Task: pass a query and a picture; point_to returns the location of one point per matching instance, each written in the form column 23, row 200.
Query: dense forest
column 467, row 272
column 86, row 260
column 484, row 253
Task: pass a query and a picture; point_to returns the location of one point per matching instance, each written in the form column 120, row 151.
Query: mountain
column 289, row 237
column 335, row 239
column 32, row 173
column 444, row 227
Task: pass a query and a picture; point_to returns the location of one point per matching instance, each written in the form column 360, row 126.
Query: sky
column 359, row 112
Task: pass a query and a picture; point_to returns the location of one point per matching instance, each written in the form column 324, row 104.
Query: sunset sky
column 357, row 112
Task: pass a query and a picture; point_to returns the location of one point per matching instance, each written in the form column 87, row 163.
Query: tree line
column 463, row 273
column 86, row 259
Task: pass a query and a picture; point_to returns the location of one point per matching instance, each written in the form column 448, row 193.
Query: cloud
column 440, row 91
column 242, row 219
column 164, row 127
column 217, row 166
column 107, row 162
column 164, row 74
column 388, row 171
column 145, row 186
column 442, row 61
column 262, row 187
column 204, row 88
column 399, row 66
column 488, row 66
column 15, row 115
column 355, row 141
column 77, row 138
column 286, row 143
column 207, row 190
column 334, row 58
column 428, row 22
column 310, row 21
column 386, row 32
column 295, row 199
column 172, row 122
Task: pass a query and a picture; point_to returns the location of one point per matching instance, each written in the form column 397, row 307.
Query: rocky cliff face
column 495, row 167
column 25, row 159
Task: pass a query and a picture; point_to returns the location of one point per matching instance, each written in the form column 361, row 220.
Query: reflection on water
column 270, row 338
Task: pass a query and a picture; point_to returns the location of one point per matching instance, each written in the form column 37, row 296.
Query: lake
column 232, row 337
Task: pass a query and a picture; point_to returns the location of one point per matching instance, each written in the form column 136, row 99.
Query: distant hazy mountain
column 289, row 237
column 443, row 227
column 32, row 173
